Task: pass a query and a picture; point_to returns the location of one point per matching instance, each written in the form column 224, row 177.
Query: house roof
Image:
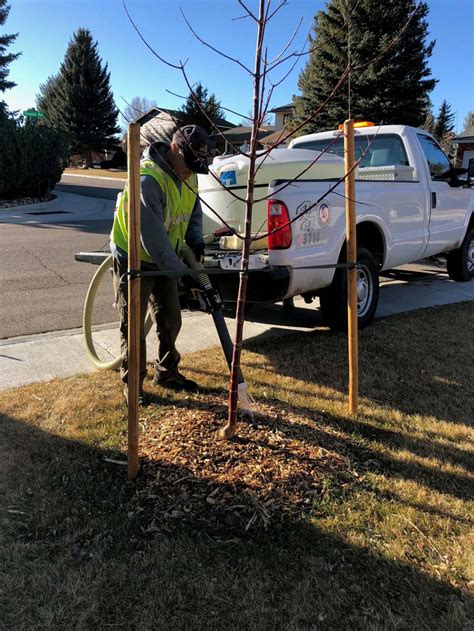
column 283, row 108
column 174, row 115
column 241, row 134
column 466, row 136
column 275, row 137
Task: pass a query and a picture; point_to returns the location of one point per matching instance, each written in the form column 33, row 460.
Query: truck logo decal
column 308, row 232
column 324, row 215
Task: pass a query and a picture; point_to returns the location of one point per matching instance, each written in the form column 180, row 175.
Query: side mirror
column 470, row 171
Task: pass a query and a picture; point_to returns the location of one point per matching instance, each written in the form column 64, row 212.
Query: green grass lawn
column 309, row 519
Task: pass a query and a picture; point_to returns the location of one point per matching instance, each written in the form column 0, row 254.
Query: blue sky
column 45, row 27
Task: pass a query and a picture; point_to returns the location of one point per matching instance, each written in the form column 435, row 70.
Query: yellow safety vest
column 177, row 211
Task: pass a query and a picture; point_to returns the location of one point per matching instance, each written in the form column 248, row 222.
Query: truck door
column 447, row 203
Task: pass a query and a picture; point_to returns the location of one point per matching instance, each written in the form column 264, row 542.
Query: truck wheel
column 333, row 299
column 460, row 262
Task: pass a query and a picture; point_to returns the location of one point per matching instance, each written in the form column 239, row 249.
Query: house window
column 287, row 118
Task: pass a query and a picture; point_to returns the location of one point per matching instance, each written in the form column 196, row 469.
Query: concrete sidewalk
column 66, row 207
column 60, row 354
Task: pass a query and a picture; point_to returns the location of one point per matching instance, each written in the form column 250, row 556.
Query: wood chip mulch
column 276, row 468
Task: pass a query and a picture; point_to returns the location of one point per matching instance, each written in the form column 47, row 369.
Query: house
column 279, row 138
column 283, row 115
column 159, row 123
column 239, row 137
column 465, row 146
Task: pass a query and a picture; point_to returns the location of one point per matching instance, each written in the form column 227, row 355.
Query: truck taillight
column 278, row 216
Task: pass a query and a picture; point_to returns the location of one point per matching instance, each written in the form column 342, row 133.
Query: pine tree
column 79, row 99
column 45, row 100
column 5, row 59
column 443, row 129
column 191, row 113
column 394, row 89
column 444, row 123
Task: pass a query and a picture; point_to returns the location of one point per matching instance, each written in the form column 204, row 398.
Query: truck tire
column 333, row 299
column 460, row 262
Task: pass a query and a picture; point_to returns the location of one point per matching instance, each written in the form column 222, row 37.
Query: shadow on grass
column 437, row 373
column 85, row 548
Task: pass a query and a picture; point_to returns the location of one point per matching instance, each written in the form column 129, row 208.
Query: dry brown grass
column 310, row 519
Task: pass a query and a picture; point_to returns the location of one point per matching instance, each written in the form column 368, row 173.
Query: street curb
column 96, row 177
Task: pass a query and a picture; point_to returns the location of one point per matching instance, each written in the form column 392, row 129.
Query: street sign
column 33, row 114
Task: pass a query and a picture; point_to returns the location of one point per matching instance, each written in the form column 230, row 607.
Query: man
column 170, row 215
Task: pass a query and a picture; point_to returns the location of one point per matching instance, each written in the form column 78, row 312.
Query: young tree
column 5, row 58
column 79, row 99
column 263, row 89
column 197, row 106
column 393, row 89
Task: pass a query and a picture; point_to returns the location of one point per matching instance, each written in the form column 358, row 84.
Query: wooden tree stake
column 352, row 329
column 133, row 296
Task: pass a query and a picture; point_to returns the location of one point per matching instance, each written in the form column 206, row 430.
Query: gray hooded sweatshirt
column 154, row 237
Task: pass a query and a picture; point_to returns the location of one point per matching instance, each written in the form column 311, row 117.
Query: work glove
column 198, row 250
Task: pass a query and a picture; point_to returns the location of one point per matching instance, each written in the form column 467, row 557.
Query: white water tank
column 229, row 173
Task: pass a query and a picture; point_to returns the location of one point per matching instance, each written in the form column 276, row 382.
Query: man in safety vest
column 170, row 216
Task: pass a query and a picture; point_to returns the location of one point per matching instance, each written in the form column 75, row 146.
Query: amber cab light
column 359, row 124
column 278, row 216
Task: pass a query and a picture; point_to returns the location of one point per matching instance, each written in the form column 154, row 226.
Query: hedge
column 32, row 159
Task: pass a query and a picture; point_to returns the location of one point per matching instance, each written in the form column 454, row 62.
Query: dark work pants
column 160, row 293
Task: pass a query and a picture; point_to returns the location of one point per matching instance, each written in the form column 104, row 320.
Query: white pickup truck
column 411, row 204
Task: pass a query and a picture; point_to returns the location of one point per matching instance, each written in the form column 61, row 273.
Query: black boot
column 176, row 381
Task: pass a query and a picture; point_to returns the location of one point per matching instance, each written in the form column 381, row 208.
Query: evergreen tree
column 45, row 100
column 443, row 129
column 444, row 123
column 5, row 58
column 79, row 101
column 191, row 113
column 393, row 89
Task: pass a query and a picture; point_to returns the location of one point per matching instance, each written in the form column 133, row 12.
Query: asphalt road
column 90, row 186
column 42, row 287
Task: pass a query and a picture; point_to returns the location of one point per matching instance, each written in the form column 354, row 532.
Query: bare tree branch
column 280, row 6
column 131, row 106
column 226, row 109
column 247, row 10
column 216, row 50
column 296, row 177
column 318, row 43
column 272, row 61
column 328, row 192
column 168, row 63
column 121, row 113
